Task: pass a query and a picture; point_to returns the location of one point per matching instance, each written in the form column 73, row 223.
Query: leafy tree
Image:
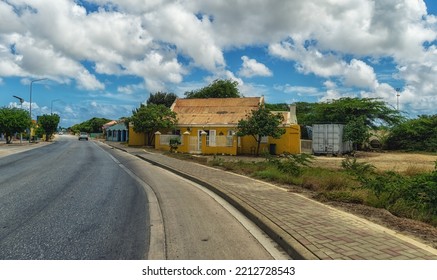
column 305, row 113
column 277, row 107
column 217, row 89
column 49, row 123
column 343, row 110
column 93, row 125
column 151, row 118
column 356, row 131
column 13, row 120
column 260, row 123
column 162, row 98
column 416, row 134
column 39, row 132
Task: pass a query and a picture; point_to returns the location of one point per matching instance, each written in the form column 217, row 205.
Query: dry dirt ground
column 399, row 162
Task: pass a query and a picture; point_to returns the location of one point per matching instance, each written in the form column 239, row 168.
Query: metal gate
column 195, row 146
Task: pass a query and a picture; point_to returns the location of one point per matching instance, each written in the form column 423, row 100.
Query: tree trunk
column 8, row 138
column 258, row 142
column 151, row 139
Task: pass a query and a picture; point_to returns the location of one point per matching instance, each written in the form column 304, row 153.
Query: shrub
column 358, row 168
column 174, row 143
column 292, row 164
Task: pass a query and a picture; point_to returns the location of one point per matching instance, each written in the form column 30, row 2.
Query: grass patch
column 273, row 174
column 348, row 196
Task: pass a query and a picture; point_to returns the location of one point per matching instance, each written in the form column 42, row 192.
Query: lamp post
column 397, row 98
column 21, row 103
column 51, row 106
column 30, row 106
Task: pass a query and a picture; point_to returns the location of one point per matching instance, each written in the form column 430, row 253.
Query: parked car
column 83, row 135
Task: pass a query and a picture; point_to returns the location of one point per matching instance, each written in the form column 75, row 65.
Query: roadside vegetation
column 410, row 195
column 93, row 125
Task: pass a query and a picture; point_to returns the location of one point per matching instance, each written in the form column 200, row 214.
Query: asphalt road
column 83, row 200
column 70, row 200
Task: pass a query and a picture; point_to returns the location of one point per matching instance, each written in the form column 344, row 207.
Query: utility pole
column 21, row 103
column 30, row 106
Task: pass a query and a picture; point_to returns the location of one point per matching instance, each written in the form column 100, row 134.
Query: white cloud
column 251, row 68
column 299, row 90
column 359, row 74
column 174, row 24
column 130, row 89
column 161, row 40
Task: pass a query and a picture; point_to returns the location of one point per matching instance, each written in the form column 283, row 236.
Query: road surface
column 83, row 200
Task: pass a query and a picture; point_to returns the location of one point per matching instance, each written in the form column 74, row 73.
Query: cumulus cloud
column 359, row 74
column 251, row 68
column 161, row 41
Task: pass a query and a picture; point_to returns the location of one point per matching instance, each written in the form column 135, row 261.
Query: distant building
column 117, row 133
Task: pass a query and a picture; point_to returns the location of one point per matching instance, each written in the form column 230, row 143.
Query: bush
column 358, row 168
column 292, row 164
column 174, row 143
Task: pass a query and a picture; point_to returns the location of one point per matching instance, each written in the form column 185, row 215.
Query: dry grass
column 407, row 163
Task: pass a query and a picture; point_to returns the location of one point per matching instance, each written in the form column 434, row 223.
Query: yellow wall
column 207, row 150
column 136, row 139
column 288, row 143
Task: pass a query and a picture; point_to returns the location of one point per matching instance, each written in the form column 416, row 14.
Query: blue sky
column 102, row 58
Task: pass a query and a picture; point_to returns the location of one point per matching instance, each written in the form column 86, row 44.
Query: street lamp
column 51, row 106
column 30, row 106
column 21, row 103
column 20, row 99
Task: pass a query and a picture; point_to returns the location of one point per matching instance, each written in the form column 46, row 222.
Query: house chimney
column 293, row 117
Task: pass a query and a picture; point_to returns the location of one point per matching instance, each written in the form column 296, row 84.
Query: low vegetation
column 411, row 195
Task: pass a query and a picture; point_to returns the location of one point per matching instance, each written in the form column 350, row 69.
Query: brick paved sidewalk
column 305, row 228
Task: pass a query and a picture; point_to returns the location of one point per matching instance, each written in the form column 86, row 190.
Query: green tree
column 152, row 118
column 305, row 113
column 418, row 134
column 162, row 98
column 217, row 89
column 49, row 123
column 277, row 107
column 356, row 131
column 93, row 125
column 13, row 120
column 260, row 123
column 375, row 112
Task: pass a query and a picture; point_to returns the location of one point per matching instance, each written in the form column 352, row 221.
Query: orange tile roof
column 214, row 111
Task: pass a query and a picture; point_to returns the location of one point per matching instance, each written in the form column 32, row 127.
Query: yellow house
column 209, row 126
